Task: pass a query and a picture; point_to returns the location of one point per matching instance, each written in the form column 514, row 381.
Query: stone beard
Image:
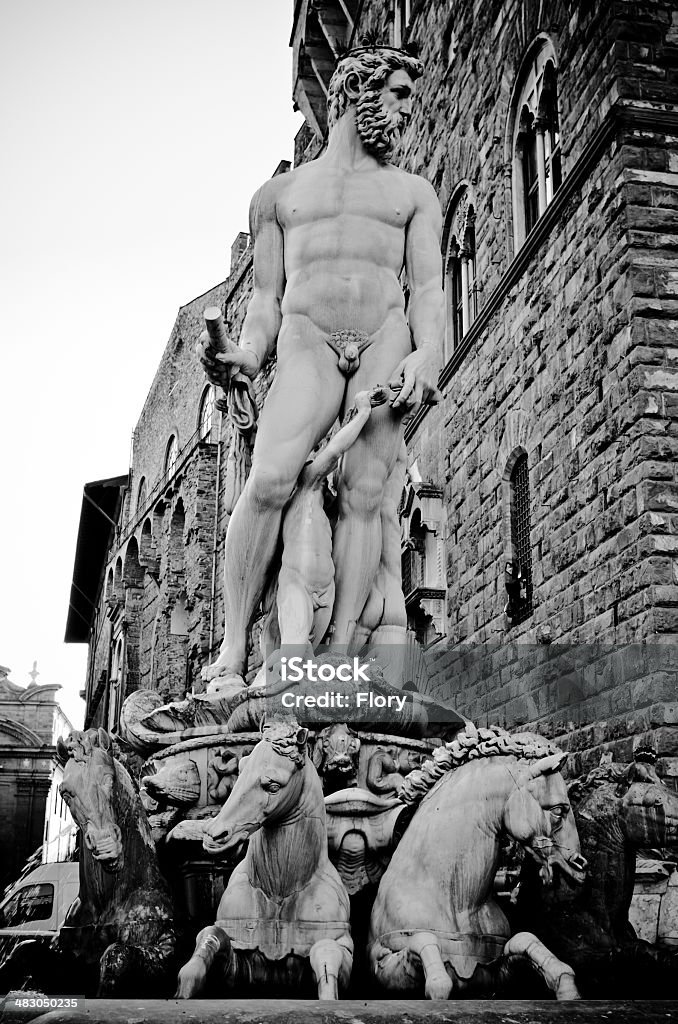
column 378, row 129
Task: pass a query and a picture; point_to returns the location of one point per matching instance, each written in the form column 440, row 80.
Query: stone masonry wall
column 576, row 365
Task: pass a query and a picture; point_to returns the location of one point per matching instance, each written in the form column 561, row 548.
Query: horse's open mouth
column 229, row 841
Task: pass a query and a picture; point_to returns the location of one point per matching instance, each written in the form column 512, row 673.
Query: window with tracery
column 206, row 416
column 460, row 280
column 519, row 569
column 171, row 456
column 537, row 169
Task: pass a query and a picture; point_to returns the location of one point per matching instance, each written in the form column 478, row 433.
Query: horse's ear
column 547, row 765
column 301, row 737
column 62, row 750
column 104, row 739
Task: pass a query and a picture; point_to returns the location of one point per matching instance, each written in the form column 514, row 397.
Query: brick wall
column 572, row 361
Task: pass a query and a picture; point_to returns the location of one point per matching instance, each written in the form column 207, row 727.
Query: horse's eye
column 558, row 812
column 270, row 786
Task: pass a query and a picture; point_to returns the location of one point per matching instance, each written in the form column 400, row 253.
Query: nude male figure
column 330, row 241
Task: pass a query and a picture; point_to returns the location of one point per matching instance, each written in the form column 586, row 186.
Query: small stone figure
column 335, row 756
column 176, row 784
column 222, row 772
column 386, row 773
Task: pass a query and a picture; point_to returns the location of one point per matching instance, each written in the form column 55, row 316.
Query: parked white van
column 37, row 904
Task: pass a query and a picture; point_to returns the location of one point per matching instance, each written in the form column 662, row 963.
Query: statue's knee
column 269, row 486
column 364, row 496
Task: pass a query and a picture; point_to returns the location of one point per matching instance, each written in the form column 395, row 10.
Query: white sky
column 134, row 133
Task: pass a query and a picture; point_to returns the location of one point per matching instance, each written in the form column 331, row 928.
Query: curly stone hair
column 372, row 67
column 469, row 744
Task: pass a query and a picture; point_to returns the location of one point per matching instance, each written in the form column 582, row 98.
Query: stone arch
column 133, row 571
column 176, row 540
column 171, row 455
column 179, row 615
column 109, row 585
column 141, row 496
column 117, row 579
column 147, row 550
column 13, row 732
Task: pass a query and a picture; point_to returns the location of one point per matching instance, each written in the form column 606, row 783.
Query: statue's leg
column 331, row 962
column 300, row 408
column 295, row 611
column 358, row 533
column 558, row 976
column 192, row 977
column 437, row 982
column 388, row 637
column 397, row 972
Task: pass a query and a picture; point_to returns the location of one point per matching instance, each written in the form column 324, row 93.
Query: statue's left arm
column 419, row 371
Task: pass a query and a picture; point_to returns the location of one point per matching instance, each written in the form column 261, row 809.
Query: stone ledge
column 353, row 1011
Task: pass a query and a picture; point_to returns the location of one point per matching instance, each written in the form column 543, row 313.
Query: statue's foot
column 223, row 687
column 219, row 669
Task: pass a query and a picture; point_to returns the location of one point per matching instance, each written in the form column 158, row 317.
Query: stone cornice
column 622, row 116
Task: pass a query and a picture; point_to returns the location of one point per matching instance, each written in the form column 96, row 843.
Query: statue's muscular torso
column 344, row 244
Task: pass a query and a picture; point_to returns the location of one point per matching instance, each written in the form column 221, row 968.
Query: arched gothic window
column 206, row 414
column 171, row 455
column 460, row 281
column 519, row 569
column 537, row 172
column 141, row 495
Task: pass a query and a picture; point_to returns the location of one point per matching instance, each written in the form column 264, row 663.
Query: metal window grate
column 520, row 534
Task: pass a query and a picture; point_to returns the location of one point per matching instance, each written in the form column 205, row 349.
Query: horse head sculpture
column 283, row 919
column 268, row 787
column 539, row 817
column 649, row 808
column 89, row 790
column 617, row 808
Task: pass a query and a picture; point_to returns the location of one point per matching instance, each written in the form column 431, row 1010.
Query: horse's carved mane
column 468, row 745
column 287, row 739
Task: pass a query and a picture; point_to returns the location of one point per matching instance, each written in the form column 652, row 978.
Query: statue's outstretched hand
column 221, row 366
column 416, row 379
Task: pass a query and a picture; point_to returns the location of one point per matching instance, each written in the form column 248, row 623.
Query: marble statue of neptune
column 331, row 241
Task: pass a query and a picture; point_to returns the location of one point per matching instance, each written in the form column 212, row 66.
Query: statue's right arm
column 263, row 318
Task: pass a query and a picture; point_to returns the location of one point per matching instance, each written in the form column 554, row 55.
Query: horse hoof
column 192, row 979
column 438, row 988
column 567, row 988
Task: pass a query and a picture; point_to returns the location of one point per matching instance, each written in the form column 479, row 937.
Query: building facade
column 31, row 809
column 541, row 508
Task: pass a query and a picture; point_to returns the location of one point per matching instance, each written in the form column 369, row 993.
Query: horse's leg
column 405, row 970
column 437, row 983
column 331, row 962
column 193, row 975
column 558, row 976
